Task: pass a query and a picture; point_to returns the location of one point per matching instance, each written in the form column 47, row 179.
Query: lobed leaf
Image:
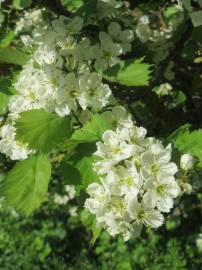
column 81, row 160
column 92, row 131
column 41, row 130
column 130, row 73
column 26, row 185
column 20, row 4
column 188, row 142
column 13, row 56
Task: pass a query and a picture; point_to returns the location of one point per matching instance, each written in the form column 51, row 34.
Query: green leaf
column 92, row 131
column 87, row 218
column 170, row 12
column 13, row 56
column 89, row 222
column 86, row 10
column 6, row 39
column 70, row 175
column 72, row 5
column 187, row 5
column 130, row 73
column 197, row 34
column 4, row 99
column 96, row 232
column 26, row 185
column 82, row 160
column 85, row 167
column 188, row 142
column 42, row 131
column 20, row 4
column 180, row 98
column 6, row 87
column 196, row 18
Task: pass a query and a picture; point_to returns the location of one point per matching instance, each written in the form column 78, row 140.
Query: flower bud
column 187, row 188
column 186, row 162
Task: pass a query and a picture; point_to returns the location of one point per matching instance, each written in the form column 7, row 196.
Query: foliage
column 41, row 130
column 26, row 185
column 189, row 142
column 130, row 73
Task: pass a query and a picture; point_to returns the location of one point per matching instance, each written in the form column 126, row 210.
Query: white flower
column 68, row 92
column 137, row 179
column 113, row 3
column 71, row 191
column 18, row 104
column 118, row 116
column 199, row 242
column 62, row 110
column 155, row 162
column 160, row 193
column 135, row 135
column 186, row 162
column 93, row 93
column 9, row 146
column 59, row 26
column 143, row 32
column 107, row 53
column 45, row 54
column 144, row 215
column 103, row 166
column 113, row 148
column 58, row 199
column 144, row 19
column 163, row 90
column 75, row 25
column 124, row 38
column 186, row 188
column 73, row 211
column 98, row 201
column 130, row 181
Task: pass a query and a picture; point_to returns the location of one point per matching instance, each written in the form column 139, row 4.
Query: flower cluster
column 9, row 146
column 159, row 43
column 70, row 193
column 137, row 179
column 63, row 74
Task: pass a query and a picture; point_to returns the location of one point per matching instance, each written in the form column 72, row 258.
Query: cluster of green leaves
column 188, row 142
column 52, row 240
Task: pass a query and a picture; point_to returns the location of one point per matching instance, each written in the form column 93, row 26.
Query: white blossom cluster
column 137, row 179
column 62, row 75
column 31, row 21
column 9, row 146
column 112, row 3
column 70, row 193
column 163, row 89
column 159, row 43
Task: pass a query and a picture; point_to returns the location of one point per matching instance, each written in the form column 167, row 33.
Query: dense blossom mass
column 63, row 74
column 137, row 179
column 138, row 182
